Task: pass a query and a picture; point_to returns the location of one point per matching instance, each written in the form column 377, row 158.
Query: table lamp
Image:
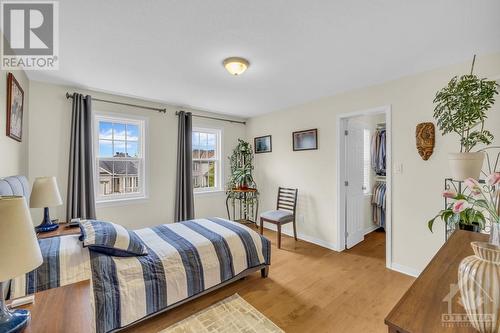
column 45, row 194
column 20, row 254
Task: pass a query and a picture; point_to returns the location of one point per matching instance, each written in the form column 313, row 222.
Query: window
column 366, row 161
column 119, row 158
column 206, row 160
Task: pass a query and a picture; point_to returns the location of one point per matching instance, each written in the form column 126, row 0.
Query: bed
column 185, row 260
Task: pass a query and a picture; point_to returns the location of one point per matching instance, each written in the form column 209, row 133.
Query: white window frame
column 142, row 124
column 218, row 161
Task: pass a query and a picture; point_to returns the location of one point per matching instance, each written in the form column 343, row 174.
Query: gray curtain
column 81, row 200
column 184, row 200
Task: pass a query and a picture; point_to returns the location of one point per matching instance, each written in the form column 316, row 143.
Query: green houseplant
column 241, row 161
column 461, row 108
column 474, row 209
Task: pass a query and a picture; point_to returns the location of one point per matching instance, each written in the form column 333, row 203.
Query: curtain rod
column 215, row 118
column 68, row 96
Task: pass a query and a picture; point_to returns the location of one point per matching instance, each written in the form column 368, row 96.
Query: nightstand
column 63, row 230
column 63, row 309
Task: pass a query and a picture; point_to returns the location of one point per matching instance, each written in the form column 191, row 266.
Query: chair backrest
column 287, row 199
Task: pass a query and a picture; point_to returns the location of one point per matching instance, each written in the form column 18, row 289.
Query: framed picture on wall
column 305, row 140
column 15, row 104
column 263, row 144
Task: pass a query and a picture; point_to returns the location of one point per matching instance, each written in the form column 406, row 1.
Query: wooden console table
column 429, row 303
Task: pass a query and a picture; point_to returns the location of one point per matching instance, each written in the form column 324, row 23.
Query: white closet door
column 354, row 213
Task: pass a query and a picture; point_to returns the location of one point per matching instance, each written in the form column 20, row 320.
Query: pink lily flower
column 460, row 206
column 473, row 186
column 471, row 182
column 493, row 179
column 449, row 194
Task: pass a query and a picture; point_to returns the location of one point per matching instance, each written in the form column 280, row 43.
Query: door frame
column 341, row 172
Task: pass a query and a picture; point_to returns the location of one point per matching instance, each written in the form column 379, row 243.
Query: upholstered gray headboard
column 15, row 185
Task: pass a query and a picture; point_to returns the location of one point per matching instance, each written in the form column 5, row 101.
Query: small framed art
column 263, row 144
column 305, row 140
column 15, row 103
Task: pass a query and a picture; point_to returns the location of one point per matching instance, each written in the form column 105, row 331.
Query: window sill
column 209, row 193
column 121, row 202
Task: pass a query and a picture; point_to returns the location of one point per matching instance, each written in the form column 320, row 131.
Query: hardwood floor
column 312, row 289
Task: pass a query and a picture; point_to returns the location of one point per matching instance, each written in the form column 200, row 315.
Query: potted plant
column 461, row 108
column 241, row 161
column 243, row 177
column 481, row 205
column 459, row 212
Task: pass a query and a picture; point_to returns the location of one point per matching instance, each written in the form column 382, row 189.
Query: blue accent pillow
column 111, row 239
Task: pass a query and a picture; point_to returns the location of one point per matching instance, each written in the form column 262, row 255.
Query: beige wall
column 14, row 154
column 416, row 191
column 49, row 146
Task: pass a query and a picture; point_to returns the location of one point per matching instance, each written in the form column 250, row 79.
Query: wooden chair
column 284, row 213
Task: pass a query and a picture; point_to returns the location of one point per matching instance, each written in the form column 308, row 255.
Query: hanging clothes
column 378, row 152
column 379, row 203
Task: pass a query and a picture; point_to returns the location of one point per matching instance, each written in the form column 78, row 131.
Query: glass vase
column 495, row 234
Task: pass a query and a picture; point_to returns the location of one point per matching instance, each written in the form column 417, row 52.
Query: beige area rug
column 231, row 315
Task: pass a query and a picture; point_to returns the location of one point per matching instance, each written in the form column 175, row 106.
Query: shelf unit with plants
column 242, row 196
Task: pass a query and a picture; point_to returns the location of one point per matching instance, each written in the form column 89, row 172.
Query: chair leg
column 294, row 230
column 279, row 235
column 261, row 226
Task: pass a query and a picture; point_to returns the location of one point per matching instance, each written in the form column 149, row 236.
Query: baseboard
column 405, row 269
column 306, row 238
column 371, row 229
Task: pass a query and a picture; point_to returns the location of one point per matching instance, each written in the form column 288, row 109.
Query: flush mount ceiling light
column 236, row 65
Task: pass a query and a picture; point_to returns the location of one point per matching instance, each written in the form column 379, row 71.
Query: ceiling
column 172, row 51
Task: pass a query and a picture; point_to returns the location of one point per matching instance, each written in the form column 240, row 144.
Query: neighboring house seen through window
column 206, row 160
column 119, row 158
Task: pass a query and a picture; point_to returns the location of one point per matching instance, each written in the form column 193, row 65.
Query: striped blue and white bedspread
column 65, row 261
column 183, row 259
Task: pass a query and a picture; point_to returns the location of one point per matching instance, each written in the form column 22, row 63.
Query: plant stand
column 491, row 164
column 248, row 202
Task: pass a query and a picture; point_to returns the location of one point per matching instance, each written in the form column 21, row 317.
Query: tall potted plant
column 241, row 161
column 461, row 108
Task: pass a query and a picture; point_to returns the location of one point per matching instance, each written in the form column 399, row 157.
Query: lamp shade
column 19, row 249
column 45, row 193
